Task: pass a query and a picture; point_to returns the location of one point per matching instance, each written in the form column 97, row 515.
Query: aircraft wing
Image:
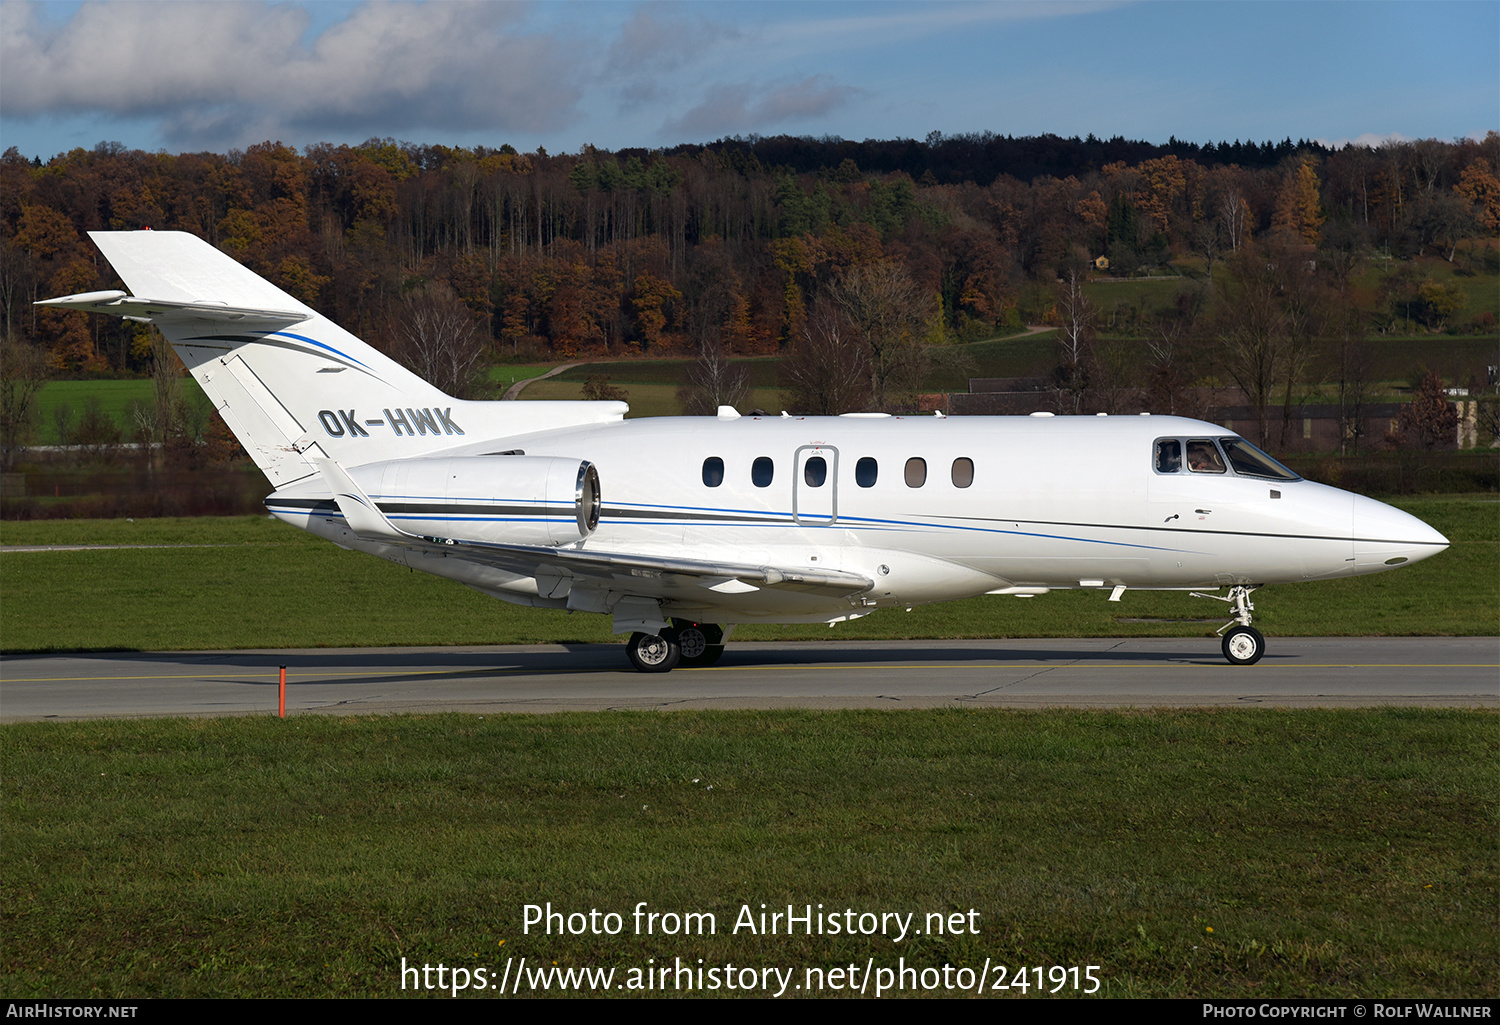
column 650, row 573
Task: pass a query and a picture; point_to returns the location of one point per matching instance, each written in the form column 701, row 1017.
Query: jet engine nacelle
column 534, row 500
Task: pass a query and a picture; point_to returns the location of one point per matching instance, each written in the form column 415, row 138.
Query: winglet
column 360, row 511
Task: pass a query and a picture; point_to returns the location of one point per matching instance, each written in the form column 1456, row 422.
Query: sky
column 192, row 76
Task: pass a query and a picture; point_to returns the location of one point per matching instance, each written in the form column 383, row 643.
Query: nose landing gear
column 1243, row 645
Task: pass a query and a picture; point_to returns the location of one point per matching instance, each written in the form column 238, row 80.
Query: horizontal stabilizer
column 175, row 267
column 118, row 304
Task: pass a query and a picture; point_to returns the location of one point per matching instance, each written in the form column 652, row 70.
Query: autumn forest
column 858, row 263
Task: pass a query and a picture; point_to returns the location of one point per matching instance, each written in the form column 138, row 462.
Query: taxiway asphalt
column 1082, row 673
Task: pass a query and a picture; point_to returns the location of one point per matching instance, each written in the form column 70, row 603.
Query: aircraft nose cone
column 1386, row 537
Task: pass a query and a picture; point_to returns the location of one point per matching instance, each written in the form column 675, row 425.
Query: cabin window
column 1203, row 457
column 713, row 472
column 761, row 471
column 1168, row 456
column 916, row 472
column 963, row 472
column 1247, row 459
column 815, row 471
column 865, row 472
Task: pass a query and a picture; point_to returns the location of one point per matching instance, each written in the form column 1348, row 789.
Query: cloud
column 656, row 42
column 737, row 109
column 216, row 71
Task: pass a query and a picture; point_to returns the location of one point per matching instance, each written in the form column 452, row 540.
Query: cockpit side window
column 1168, row 456
column 1203, row 457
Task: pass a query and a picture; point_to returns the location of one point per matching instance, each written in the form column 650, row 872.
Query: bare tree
column 1267, row 319
column 1114, row 374
column 1207, row 241
column 714, row 381
column 162, row 419
column 438, row 339
column 1233, row 215
column 888, row 311
column 23, row 371
column 828, row 369
column 1076, row 316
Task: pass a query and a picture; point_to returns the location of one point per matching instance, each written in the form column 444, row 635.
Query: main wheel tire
column 1244, row 645
column 652, row 653
column 699, row 642
column 693, row 642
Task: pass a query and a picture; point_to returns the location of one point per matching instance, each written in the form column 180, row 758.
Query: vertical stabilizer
column 291, row 384
column 281, row 387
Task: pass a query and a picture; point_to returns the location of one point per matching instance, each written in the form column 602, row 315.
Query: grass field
column 259, row 583
column 115, row 400
column 1235, row 853
column 647, row 399
column 1238, row 853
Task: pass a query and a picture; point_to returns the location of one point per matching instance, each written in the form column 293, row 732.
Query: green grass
column 115, row 400
column 1265, row 853
column 270, row 587
column 646, row 399
column 764, row 371
column 504, row 375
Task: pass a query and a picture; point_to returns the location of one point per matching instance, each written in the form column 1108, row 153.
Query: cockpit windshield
column 1249, row 460
column 1208, row 455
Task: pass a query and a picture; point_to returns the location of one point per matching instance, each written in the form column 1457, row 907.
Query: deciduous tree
column 436, row 338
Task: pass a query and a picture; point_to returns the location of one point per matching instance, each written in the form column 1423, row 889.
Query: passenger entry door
column 815, row 485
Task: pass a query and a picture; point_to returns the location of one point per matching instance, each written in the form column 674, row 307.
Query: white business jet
column 681, row 527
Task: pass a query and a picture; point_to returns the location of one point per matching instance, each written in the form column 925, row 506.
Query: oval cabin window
column 713, row 472
column 865, row 472
column 761, row 471
column 963, row 472
column 916, row 472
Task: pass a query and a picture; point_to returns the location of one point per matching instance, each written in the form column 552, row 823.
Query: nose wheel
column 1243, row 645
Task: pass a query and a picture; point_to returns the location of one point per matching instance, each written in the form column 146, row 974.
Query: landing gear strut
column 1243, row 645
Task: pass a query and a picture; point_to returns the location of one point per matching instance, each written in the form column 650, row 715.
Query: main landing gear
column 1243, row 645
column 681, row 644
